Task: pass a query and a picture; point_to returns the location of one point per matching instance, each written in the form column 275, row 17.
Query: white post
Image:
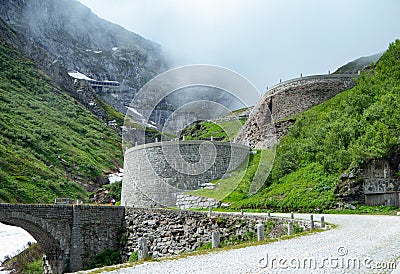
column 290, row 228
column 143, row 251
column 215, row 241
column 322, row 222
column 260, row 232
column 312, row 222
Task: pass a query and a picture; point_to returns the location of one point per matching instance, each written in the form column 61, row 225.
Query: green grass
column 106, row 193
column 50, row 145
column 363, row 209
column 307, row 188
column 106, row 257
column 134, row 257
column 219, row 130
column 242, row 181
column 224, row 187
column 337, row 136
column 205, row 246
column 359, row 209
column 112, row 113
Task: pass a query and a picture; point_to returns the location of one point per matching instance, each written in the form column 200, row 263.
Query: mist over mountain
column 78, row 40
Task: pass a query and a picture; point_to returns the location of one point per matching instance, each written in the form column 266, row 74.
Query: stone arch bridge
column 70, row 235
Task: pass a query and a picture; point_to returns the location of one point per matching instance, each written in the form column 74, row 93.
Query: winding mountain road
column 360, row 244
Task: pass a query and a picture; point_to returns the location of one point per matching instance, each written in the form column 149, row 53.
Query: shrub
column 106, row 257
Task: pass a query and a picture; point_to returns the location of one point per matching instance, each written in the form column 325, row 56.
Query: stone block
column 215, row 239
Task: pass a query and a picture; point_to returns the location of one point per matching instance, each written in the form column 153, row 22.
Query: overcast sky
column 263, row 40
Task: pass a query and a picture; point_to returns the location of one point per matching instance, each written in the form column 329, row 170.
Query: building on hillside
column 97, row 85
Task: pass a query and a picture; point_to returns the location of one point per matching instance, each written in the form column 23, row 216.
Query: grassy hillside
column 50, row 145
column 246, row 179
column 224, row 129
column 334, row 137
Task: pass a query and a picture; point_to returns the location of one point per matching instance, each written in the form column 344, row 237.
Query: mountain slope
column 337, row 136
column 50, row 145
column 359, row 64
column 76, row 39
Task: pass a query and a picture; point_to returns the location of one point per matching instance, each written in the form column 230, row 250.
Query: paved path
column 358, row 245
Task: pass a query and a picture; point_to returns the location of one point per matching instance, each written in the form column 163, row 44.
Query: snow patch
column 97, row 51
column 12, row 241
column 151, row 126
column 116, row 177
column 78, row 75
column 114, row 48
column 135, row 111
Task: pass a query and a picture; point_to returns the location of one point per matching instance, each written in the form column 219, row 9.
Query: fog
column 263, row 40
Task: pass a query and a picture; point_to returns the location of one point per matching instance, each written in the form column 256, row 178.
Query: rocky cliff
column 64, row 35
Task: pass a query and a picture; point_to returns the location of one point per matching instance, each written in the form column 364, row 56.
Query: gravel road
column 360, row 244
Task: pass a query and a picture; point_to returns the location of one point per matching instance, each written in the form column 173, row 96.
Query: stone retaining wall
column 155, row 173
column 171, row 232
column 285, row 100
column 185, row 201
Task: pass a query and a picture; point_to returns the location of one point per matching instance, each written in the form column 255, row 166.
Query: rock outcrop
column 376, row 182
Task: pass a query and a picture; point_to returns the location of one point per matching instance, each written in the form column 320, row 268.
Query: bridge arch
column 70, row 236
column 48, row 234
